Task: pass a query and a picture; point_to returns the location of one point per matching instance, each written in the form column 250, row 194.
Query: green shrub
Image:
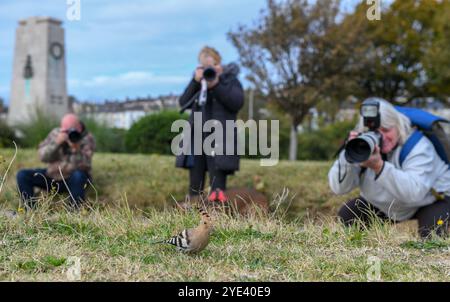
column 7, row 136
column 283, row 141
column 323, row 144
column 152, row 133
column 36, row 130
column 106, row 139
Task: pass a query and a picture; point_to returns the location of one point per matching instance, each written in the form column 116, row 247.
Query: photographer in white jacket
column 417, row 189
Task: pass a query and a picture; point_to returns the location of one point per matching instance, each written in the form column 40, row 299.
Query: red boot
column 221, row 196
column 213, row 196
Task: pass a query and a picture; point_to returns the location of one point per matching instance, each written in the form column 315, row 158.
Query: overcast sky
column 131, row 48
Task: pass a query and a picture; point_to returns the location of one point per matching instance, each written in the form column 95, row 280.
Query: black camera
column 74, row 135
column 359, row 149
column 209, row 74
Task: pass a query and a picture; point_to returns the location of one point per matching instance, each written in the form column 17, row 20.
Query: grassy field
column 133, row 203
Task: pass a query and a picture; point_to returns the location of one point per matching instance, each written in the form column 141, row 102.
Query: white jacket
column 397, row 191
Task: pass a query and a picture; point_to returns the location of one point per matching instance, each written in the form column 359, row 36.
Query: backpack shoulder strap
column 420, row 118
column 409, row 145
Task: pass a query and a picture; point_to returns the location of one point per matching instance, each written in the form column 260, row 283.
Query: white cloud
column 128, row 84
column 128, row 80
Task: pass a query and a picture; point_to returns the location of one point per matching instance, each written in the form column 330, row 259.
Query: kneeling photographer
column 399, row 172
column 68, row 151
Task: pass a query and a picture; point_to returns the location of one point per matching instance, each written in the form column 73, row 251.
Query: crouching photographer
column 68, row 150
column 401, row 173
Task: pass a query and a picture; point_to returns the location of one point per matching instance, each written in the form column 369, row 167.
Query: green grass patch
column 425, row 245
column 133, row 206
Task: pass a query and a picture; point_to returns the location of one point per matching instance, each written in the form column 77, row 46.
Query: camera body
column 360, row 148
column 74, row 135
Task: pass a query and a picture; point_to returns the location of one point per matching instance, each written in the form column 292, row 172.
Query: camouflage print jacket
column 62, row 157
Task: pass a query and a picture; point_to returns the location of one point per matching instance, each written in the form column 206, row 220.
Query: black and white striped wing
column 181, row 241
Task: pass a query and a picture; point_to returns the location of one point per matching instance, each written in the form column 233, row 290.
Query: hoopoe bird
column 193, row 240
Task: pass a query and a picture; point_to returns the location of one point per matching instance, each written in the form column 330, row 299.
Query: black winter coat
column 223, row 103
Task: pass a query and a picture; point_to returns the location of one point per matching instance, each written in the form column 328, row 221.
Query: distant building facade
column 123, row 115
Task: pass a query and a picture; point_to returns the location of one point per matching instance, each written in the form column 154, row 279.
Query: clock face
column 56, row 50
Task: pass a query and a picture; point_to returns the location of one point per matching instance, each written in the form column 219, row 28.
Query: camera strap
column 364, row 169
column 190, row 102
column 203, row 93
column 341, row 179
column 336, row 155
column 340, row 149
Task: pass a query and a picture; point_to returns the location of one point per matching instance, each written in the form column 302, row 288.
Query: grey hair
column 390, row 117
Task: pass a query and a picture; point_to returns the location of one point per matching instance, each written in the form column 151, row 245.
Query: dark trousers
column 27, row 180
column 433, row 217
column 203, row 163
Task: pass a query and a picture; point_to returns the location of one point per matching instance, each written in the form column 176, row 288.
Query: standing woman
column 217, row 96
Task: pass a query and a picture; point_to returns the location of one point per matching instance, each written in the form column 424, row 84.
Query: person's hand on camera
column 74, row 147
column 61, row 138
column 352, row 135
column 375, row 162
column 198, row 75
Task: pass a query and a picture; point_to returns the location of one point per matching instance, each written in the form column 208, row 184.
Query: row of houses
column 114, row 114
column 123, row 114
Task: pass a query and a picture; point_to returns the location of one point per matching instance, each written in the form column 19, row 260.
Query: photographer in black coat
column 220, row 99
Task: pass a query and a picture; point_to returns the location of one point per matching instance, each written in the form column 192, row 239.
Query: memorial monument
column 39, row 71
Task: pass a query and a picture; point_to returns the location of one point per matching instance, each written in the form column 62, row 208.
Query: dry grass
column 114, row 244
column 153, row 180
column 113, row 238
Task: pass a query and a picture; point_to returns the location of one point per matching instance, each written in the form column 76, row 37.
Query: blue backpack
column 432, row 127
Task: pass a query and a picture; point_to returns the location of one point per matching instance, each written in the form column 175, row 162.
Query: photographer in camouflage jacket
column 68, row 151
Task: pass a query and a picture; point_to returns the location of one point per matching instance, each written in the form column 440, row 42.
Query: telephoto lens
column 209, row 74
column 359, row 149
column 74, row 135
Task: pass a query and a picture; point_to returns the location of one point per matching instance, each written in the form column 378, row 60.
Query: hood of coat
column 230, row 72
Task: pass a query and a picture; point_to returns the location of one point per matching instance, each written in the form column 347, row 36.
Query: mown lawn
column 153, row 181
column 133, row 205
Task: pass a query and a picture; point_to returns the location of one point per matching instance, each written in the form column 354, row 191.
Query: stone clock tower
column 39, row 71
